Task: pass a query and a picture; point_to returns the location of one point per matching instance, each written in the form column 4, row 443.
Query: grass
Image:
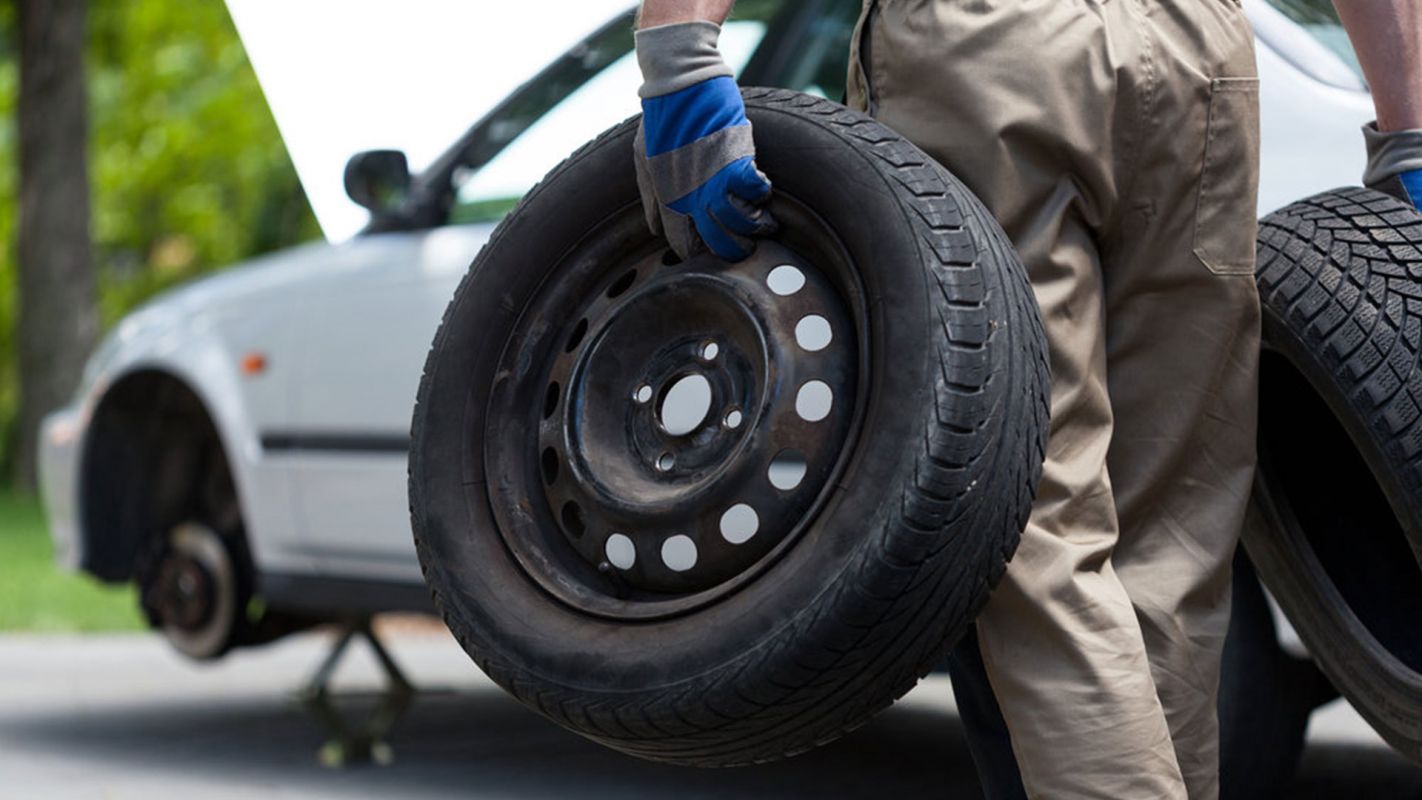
column 36, row 596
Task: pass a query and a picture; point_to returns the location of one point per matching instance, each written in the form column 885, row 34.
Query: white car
column 245, row 436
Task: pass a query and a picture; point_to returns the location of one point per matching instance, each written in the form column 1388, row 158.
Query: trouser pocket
column 1226, row 208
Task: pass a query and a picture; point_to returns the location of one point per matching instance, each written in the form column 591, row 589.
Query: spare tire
column 1336, row 522
column 764, row 573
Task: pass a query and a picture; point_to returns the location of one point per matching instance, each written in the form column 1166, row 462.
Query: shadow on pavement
column 483, row 744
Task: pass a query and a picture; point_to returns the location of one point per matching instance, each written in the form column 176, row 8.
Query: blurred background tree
column 188, row 171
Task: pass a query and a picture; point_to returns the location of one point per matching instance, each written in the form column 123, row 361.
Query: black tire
column 1336, row 522
column 928, row 505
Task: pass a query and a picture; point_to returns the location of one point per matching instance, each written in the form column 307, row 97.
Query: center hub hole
column 686, row 405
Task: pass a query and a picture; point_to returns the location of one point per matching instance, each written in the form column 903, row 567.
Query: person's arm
column 1387, row 36
column 670, row 12
column 694, row 152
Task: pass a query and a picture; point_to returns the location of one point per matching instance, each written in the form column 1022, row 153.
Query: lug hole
column 665, row 462
column 679, row 553
column 733, row 419
column 550, row 400
column 622, row 284
column 642, row 394
column 739, row 523
column 709, row 351
column 549, row 462
column 621, row 551
column 577, row 336
column 813, row 333
column 573, row 519
column 787, row 469
column 814, row 401
column 785, row 280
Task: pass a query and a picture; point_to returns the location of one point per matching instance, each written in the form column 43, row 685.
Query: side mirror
column 378, row 180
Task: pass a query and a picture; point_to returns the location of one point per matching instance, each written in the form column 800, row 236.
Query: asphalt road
column 123, row 717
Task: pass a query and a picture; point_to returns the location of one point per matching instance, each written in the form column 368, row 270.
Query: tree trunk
column 58, row 293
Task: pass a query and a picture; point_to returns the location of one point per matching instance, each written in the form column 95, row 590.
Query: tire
column 1335, row 528
column 914, row 525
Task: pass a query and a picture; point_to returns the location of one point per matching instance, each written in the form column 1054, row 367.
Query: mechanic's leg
column 988, row 739
column 1028, row 103
column 1183, row 313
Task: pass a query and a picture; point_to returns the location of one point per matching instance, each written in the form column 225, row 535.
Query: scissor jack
column 348, row 742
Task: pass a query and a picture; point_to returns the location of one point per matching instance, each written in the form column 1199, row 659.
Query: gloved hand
column 694, row 153
column 1395, row 163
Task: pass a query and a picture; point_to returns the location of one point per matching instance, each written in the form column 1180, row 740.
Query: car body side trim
column 290, row 442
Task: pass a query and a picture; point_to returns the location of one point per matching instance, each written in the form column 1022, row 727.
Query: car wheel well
column 152, row 458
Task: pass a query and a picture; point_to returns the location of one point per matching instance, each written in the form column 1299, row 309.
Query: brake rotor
column 195, row 593
column 688, row 417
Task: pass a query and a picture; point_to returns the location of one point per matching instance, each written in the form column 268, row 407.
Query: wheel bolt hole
column 813, row 333
column 787, row 469
column 679, row 553
column 733, row 419
column 785, row 280
column 549, row 463
column 739, row 523
column 665, row 462
column 550, row 400
column 573, row 519
column 814, row 401
column 576, row 337
column 621, row 551
column 709, row 351
column 642, row 394
column 622, row 284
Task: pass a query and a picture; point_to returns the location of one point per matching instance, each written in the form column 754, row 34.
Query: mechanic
column 1117, row 143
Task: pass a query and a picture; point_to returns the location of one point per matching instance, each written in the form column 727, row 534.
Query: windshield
column 1320, row 21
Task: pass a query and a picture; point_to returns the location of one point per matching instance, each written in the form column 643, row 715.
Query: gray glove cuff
column 673, row 57
column 1391, row 153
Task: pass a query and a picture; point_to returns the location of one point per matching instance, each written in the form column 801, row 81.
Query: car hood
column 358, row 75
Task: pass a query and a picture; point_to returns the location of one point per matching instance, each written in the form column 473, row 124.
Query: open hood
column 364, row 74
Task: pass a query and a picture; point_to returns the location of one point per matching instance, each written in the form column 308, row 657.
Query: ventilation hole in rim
column 686, row 405
column 549, row 463
column 665, row 462
column 642, row 394
column 578, row 333
column 550, row 400
column 622, row 284
column 679, row 553
column 709, row 351
column 814, row 401
column 733, row 419
column 813, row 333
column 670, row 258
column 739, row 523
column 621, row 551
column 785, row 280
column 573, row 519
column 787, row 469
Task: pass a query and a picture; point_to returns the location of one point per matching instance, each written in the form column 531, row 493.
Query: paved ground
column 121, row 717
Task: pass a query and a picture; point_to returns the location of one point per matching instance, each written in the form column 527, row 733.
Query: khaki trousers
column 1117, row 143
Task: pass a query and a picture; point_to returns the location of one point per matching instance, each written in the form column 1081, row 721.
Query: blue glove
column 1412, row 185
column 1395, row 163
column 695, row 155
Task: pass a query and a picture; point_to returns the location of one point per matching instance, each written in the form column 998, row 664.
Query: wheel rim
column 677, row 423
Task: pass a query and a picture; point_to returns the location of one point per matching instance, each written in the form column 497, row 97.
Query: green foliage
column 36, row 596
column 189, row 173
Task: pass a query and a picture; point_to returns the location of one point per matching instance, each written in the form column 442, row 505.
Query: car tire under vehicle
column 544, row 522
column 1336, row 523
